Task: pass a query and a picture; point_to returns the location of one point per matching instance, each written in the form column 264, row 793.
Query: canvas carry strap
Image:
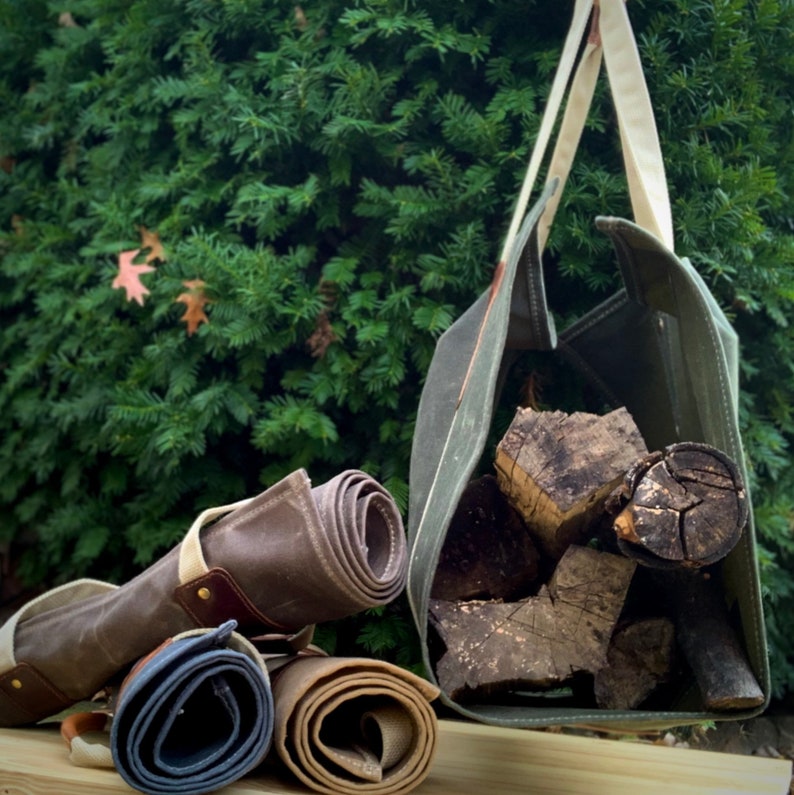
column 192, row 564
column 581, row 14
column 612, row 38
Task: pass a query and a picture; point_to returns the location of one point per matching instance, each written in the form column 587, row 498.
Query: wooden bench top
column 471, row 760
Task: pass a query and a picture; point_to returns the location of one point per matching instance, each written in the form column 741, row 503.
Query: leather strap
column 26, row 695
column 214, row 597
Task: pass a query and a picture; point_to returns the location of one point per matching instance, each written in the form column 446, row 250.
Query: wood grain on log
column 537, row 642
column 685, row 506
column 488, row 553
column 557, row 469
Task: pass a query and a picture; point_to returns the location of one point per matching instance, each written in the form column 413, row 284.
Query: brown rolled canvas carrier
column 660, row 348
column 277, row 564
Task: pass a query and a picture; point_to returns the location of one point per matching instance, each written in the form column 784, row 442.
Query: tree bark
column 708, row 642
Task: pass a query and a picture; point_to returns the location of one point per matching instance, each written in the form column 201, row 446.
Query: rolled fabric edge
column 161, row 682
column 308, row 691
column 356, row 509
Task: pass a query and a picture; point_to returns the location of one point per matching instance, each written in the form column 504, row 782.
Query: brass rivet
column 16, row 684
column 203, row 593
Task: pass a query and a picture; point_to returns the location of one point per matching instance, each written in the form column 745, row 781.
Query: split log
column 685, row 506
column 708, row 642
column 537, row 642
column 557, row 470
column 488, row 553
column 639, row 659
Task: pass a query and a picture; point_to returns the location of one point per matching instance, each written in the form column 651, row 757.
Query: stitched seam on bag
column 596, row 717
column 666, row 354
column 534, row 316
column 252, row 513
column 610, row 308
column 386, row 516
column 307, row 514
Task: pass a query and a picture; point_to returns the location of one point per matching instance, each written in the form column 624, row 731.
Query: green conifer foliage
column 340, row 176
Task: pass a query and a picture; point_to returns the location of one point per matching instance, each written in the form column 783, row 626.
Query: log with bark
column 685, row 506
column 679, row 511
column 537, row 642
column 557, row 470
column 708, row 641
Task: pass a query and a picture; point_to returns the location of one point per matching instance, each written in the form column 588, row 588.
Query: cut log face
column 537, row 642
column 488, row 553
column 557, row 469
column 686, row 506
column 639, row 659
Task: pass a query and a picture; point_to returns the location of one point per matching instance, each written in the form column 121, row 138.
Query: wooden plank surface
column 471, row 760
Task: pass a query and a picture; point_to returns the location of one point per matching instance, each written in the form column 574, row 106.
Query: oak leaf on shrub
column 129, row 276
column 195, row 300
column 151, row 240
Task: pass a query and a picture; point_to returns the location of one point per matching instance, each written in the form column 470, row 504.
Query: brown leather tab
column 26, row 696
column 215, row 597
column 279, row 643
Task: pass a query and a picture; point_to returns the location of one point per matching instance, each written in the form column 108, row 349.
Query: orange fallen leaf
column 322, row 336
column 7, row 163
column 195, row 300
column 151, row 240
column 129, row 276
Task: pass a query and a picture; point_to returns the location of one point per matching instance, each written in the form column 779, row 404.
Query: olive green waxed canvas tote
column 660, row 346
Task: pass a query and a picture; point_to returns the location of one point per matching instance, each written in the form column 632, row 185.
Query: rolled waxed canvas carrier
column 290, row 557
column 191, row 717
column 346, row 726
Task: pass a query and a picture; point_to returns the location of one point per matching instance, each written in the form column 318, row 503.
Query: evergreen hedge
column 339, row 176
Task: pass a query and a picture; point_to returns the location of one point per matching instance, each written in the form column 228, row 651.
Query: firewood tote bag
column 681, row 385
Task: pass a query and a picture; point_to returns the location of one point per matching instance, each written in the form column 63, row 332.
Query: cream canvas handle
column 191, row 557
column 67, row 594
column 639, row 137
column 581, row 14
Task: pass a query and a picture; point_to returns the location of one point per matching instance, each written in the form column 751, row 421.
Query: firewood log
column 488, row 553
column 685, row 506
column 537, row 642
column 557, row 470
column 708, row 641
